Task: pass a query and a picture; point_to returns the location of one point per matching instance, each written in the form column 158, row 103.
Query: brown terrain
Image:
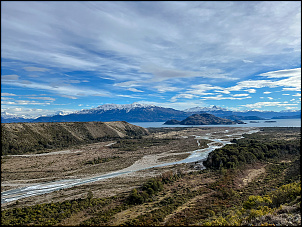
column 156, row 146
column 29, row 169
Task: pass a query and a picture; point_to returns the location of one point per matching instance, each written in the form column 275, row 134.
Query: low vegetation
column 249, row 150
column 21, row 138
column 210, row 197
column 99, row 160
column 135, row 144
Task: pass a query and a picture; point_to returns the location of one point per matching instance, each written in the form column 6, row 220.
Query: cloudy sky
column 78, row 55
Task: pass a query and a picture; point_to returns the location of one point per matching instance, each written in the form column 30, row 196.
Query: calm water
column 262, row 123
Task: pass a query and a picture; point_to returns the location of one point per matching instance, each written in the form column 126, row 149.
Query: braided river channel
column 196, row 156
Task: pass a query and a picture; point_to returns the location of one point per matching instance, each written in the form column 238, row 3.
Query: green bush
column 286, row 193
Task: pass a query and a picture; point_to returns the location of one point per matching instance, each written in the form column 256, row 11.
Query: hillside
column 202, row 119
column 260, row 188
column 18, row 138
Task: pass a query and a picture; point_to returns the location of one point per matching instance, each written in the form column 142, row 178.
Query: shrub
column 286, row 193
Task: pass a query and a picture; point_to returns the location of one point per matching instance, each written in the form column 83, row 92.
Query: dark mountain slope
column 138, row 114
column 203, row 119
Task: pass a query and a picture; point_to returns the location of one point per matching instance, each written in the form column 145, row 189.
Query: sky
column 74, row 55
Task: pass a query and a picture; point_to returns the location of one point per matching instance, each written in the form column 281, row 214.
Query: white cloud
column 182, row 96
column 259, row 105
column 165, row 88
column 73, row 81
column 127, row 84
column 252, row 84
column 32, row 112
column 220, row 97
column 24, row 102
column 167, row 36
column 7, row 94
column 247, row 61
column 135, row 44
column 291, row 89
column 129, row 96
column 291, row 108
column 240, row 95
column 134, row 90
column 69, row 96
column 62, row 89
column 293, row 81
column 250, row 90
column 283, row 73
column 43, row 98
column 267, row 92
column 201, row 89
column 223, row 91
column 164, row 73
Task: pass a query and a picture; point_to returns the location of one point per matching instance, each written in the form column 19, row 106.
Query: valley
column 139, row 155
column 91, row 160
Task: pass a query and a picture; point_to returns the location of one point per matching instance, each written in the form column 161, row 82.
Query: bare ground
column 20, row 171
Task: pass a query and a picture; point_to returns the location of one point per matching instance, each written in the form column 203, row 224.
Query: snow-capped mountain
column 107, row 107
column 10, row 118
column 205, row 109
column 134, row 112
column 137, row 112
column 6, row 115
column 60, row 112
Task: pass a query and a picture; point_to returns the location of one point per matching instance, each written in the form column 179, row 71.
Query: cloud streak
column 99, row 38
column 207, row 53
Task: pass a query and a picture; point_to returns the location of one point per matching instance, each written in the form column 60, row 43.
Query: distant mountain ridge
column 113, row 112
column 235, row 117
column 205, row 109
column 203, row 119
column 8, row 118
column 245, row 115
column 137, row 112
column 107, row 107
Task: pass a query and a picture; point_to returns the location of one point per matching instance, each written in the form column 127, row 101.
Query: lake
column 262, row 123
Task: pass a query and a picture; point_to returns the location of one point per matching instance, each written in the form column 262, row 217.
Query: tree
column 89, row 195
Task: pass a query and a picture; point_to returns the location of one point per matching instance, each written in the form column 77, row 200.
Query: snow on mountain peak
column 6, row 115
column 106, row 107
column 198, row 109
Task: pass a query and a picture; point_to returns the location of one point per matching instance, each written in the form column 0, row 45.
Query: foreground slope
column 19, row 138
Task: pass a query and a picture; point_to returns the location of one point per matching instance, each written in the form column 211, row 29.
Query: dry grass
column 19, row 171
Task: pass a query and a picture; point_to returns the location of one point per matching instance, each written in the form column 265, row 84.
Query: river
column 195, row 156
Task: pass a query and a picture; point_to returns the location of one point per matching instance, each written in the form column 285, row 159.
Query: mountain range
column 137, row 112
